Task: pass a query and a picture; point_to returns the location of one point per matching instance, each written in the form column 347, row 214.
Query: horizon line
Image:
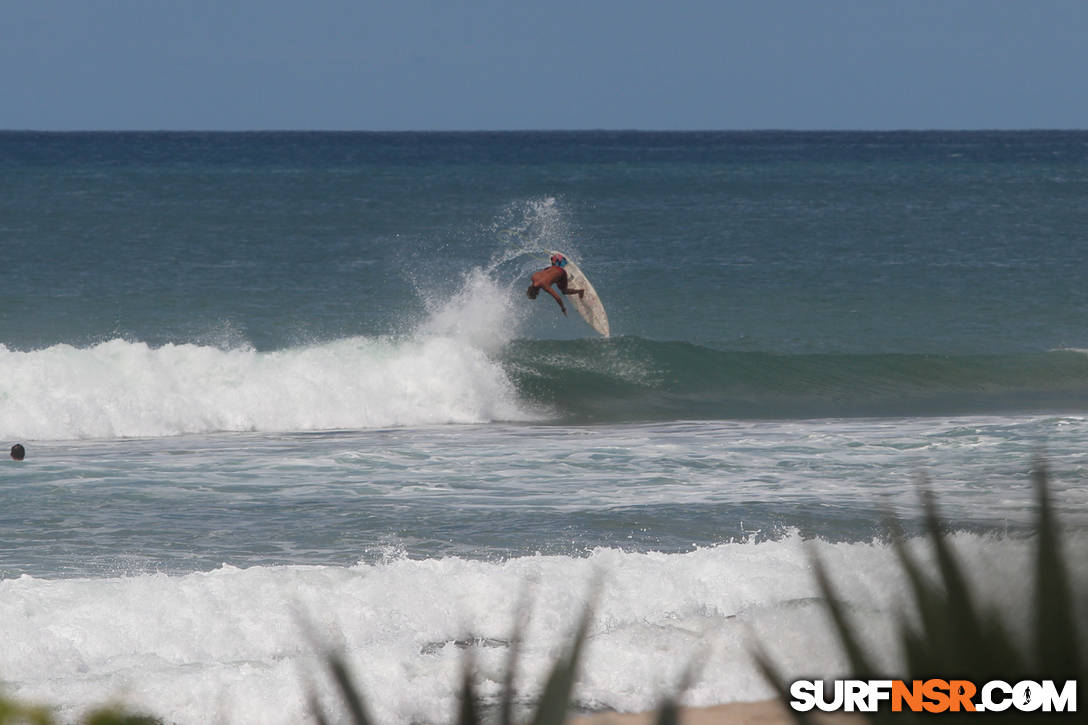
column 994, row 129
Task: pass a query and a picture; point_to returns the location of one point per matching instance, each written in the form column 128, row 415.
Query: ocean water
column 284, row 392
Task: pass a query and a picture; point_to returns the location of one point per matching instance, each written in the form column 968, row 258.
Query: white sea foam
column 443, row 373
column 237, row 645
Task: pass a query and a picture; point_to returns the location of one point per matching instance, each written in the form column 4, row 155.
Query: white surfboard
column 589, row 305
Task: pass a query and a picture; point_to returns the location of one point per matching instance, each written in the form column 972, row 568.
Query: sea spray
column 482, row 313
column 532, row 227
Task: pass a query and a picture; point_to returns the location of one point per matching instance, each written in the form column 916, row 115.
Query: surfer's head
column 18, row 452
column 558, row 260
column 532, row 292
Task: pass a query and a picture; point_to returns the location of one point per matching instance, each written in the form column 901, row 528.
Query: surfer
column 18, row 453
column 555, row 274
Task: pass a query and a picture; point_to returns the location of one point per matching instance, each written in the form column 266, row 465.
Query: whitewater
column 245, row 645
column 122, row 388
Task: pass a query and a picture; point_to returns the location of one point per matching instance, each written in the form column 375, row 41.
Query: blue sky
column 562, row 64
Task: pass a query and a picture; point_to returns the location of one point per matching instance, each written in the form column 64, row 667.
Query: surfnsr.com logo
column 935, row 696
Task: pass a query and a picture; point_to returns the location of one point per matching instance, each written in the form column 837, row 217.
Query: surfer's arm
column 558, row 299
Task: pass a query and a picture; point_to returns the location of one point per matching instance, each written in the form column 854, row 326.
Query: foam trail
column 229, row 645
column 443, row 373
